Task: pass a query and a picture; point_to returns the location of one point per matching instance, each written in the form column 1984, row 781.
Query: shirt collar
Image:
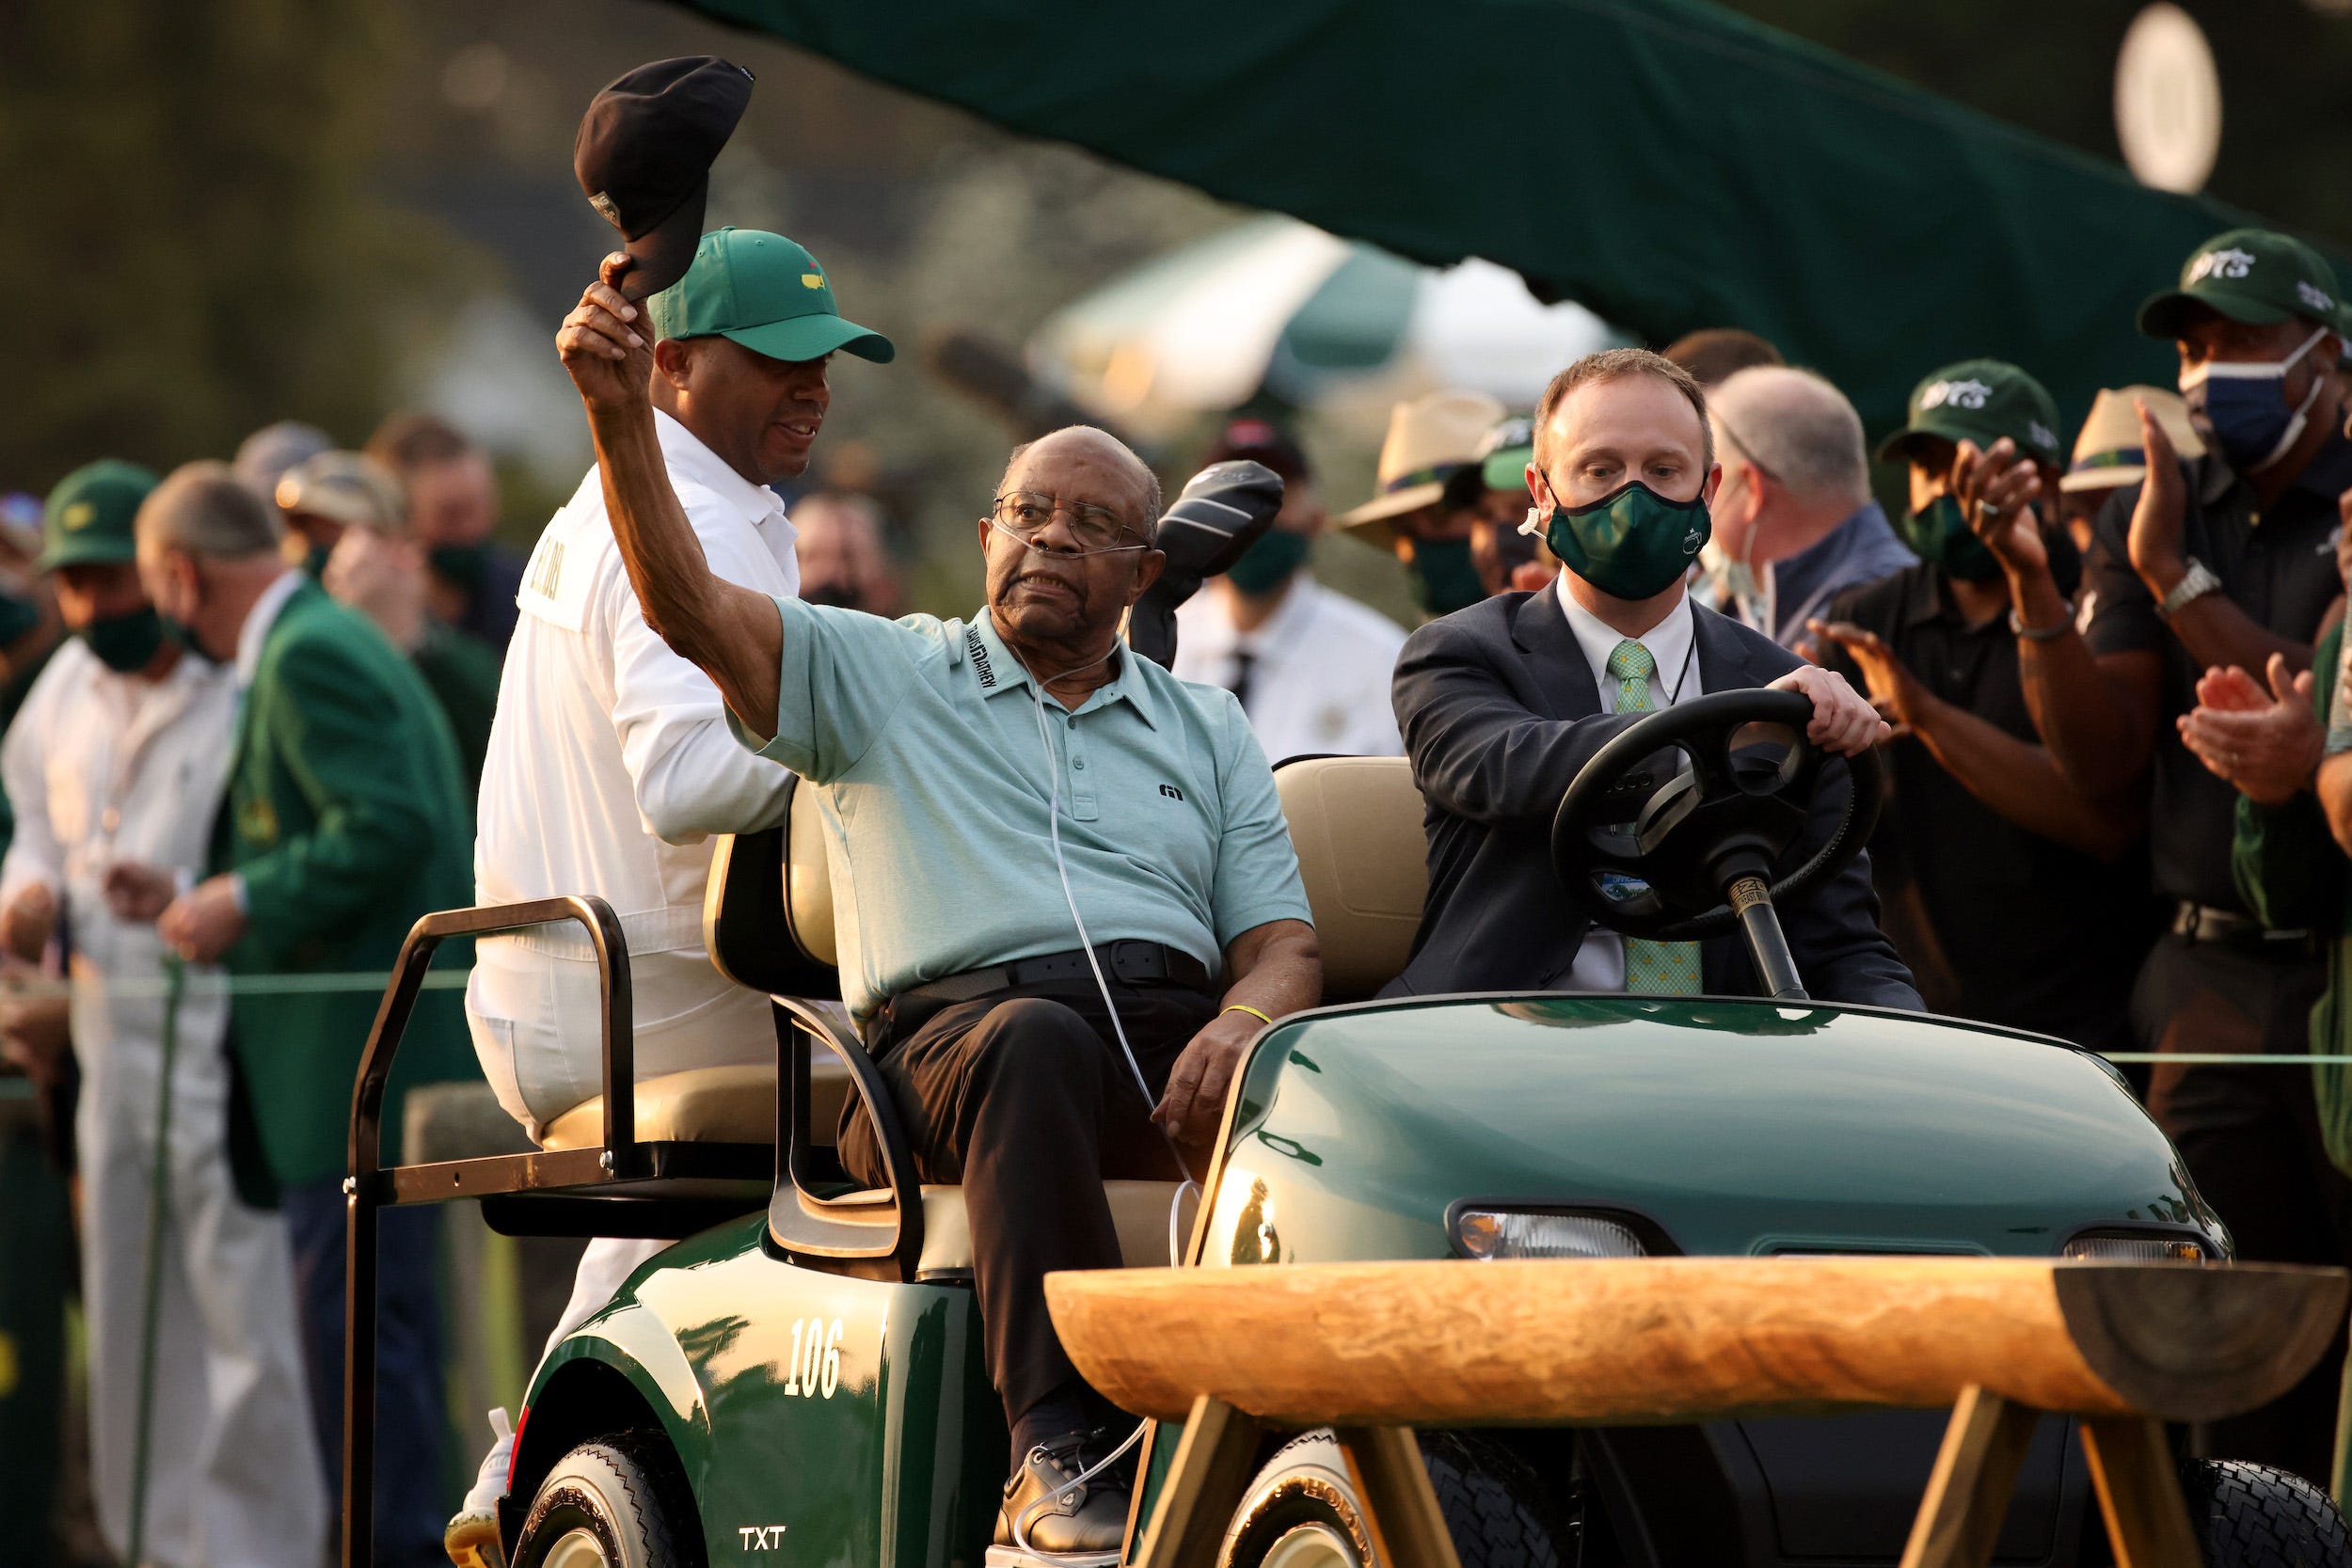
column 687, row 458
column 1791, row 574
column 1668, row 642
column 997, row 672
column 254, row 635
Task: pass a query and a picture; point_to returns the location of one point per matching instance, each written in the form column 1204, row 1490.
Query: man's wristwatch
column 2195, row 584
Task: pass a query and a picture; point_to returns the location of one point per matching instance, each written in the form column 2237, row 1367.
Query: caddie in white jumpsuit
column 610, row 765
column 120, row 754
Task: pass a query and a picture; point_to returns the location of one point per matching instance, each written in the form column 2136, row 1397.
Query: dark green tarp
column 1686, row 167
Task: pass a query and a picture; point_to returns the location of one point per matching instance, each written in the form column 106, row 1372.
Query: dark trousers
column 1023, row 1099
column 411, row 1504
column 2252, row 1140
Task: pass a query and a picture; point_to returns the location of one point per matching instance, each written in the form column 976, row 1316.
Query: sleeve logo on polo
column 2314, row 297
column 1955, row 394
column 2232, row 262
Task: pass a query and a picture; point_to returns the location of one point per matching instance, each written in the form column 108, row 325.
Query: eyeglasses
column 1095, row 530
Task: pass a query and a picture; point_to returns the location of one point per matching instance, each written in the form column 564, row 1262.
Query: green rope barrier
column 158, row 1217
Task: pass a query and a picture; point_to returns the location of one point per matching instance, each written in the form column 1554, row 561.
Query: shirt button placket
column 1082, row 800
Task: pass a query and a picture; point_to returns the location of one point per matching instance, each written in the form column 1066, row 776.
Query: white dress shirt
column 1320, row 668
column 1673, row 648
column 610, row 766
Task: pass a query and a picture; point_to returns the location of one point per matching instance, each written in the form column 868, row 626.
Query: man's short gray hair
column 1797, row 427
column 206, row 510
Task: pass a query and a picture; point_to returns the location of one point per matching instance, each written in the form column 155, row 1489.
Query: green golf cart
column 798, row 1379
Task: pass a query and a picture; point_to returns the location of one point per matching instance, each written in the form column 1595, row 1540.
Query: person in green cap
column 2226, row 563
column 595, row 710
column 1978, row 808
column 344, row 822
column 119, row 754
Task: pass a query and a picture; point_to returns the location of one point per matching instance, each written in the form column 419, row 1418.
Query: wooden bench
column 1372, row 1350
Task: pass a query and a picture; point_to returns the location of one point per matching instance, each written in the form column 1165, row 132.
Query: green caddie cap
column 1981, row 401
column 1505, row 453
column 87, row 518
column 2252, row 275
column 765, row 292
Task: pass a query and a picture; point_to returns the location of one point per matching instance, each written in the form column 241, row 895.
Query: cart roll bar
column 363, row 1187
column 797, row 1219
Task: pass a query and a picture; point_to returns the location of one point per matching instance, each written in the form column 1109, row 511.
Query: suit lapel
column 1722, row 654
column 1562, row 679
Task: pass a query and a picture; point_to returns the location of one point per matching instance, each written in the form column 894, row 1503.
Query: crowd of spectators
column 247, row 707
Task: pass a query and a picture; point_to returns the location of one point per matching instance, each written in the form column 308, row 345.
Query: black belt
column 1131, row 962
column 2202, row 922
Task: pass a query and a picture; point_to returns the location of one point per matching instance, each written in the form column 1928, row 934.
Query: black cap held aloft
column 643, row 156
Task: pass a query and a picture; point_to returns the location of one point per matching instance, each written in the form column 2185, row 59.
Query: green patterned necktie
column 1651, row 968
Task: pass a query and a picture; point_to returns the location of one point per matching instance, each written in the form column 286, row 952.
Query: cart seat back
column 1356, row 825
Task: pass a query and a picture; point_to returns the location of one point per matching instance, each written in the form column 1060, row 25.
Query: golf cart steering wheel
column 1681, row 825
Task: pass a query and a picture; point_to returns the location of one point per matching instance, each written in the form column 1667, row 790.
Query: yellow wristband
column 1242, row 1007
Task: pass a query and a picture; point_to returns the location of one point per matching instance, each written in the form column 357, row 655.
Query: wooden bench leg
column 1401, row 1508
column 1968, row 1493
column 2139, row 1493
column 1206, row 1483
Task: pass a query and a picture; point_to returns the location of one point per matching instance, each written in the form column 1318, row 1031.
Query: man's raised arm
column 731, row 633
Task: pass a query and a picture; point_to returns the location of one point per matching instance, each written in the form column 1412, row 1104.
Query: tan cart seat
column 1356, row 825
column 709, row 1105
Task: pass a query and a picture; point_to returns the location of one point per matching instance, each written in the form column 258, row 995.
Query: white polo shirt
column 610, row 768
column 1319, row 673
column 1600, row 961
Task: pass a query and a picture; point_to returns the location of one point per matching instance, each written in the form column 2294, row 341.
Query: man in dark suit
column 1503, row 702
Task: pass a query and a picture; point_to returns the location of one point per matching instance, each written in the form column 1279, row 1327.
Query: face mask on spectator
column 1443, row 577
column 2245, row 404
column 19, row 614
column 1632, row 543
column 1938, row 533
column 1270, row 561
column 126, row 643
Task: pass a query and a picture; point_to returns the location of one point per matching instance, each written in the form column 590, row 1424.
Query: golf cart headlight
column 2122, row 1246
column 1487, row 1234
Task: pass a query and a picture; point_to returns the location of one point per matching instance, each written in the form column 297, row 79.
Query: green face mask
column 126, row 644
column 1940, row 535
column 1268, row 563
column 1632, row 543
column 1443, row 577
column 462, row 566
column 19, row 615
column 314, row 560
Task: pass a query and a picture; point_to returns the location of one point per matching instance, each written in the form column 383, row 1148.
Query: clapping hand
column 1996, row 488
column 2266, row 744
column 2154, row 540
column 1895, row 691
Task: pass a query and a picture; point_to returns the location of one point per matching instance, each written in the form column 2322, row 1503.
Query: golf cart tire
column 613, row 1490
column 2255, row 1516
column 1488, row 1495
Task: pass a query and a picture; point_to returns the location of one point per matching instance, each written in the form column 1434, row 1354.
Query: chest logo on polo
column 1971, row 393
column 257, row 821
column 1171, row 792
column 977, row 651
column 2232, row 262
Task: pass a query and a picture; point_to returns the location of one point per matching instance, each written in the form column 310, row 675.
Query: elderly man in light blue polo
column 1065, row 870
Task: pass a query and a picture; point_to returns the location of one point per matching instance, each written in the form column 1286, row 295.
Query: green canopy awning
column 1687, row 167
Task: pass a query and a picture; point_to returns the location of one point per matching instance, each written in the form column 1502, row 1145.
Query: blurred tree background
column 249, row 210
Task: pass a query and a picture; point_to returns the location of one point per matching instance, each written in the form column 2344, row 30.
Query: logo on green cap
column 1954, row 394
column 77, row 517
column 2232, row 262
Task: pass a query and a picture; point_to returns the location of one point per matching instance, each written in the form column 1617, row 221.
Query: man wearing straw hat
column 119, row 754
column 1430, row 441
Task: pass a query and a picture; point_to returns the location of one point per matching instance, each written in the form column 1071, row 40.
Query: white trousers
column 233, row 1477
column 532, row 1009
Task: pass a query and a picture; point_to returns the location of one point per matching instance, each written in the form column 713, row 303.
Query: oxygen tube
column 1053, row 817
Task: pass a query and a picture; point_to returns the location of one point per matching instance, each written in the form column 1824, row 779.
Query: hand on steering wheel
column 1656, row 856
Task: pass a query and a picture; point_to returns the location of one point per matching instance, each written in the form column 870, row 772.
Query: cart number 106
column 816, row 1359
